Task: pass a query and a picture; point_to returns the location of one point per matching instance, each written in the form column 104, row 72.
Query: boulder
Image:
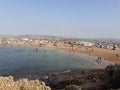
column 112, row 76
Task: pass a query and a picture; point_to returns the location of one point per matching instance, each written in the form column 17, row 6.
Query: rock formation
column 112, row 76
column 7, row 83
column 108, row 79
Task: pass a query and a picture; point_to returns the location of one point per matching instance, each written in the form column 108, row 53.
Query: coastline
column 75, row 80
column 88, row 56
column 86, row 79
column 105, row 54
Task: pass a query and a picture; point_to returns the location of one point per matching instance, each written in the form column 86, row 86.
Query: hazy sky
column 72, row 18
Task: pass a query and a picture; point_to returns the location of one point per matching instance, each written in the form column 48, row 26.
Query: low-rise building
column 25, row 39
column 88, row 44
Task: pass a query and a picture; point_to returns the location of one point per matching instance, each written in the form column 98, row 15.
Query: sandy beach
column 105, row 54
column 99, row 65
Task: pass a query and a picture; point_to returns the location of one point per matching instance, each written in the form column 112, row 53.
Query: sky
column 70, row 18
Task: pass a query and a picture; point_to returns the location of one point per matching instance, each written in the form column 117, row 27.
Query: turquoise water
column 40, row 60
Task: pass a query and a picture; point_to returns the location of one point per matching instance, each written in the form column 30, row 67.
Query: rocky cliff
column 7, row 83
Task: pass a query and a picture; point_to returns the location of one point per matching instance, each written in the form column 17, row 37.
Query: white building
column 25, row 39
column 88, row 44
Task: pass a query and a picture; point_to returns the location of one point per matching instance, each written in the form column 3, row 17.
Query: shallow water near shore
column 31, row 59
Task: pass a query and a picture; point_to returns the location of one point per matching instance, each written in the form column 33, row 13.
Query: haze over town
column 70, row 18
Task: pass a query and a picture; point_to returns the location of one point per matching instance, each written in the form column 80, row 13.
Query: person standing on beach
column 117, row 56
column 98, row 60
column 92, row 48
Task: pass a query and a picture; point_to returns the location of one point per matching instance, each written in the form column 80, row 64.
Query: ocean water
column 31, row 59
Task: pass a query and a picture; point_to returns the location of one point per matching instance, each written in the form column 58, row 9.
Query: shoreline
column 86, row 79
column 86, row 57
column 105, row 54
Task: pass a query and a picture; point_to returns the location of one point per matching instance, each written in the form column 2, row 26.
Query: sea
column 19, row 59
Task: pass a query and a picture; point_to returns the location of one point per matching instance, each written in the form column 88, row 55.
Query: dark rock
column 112, row 76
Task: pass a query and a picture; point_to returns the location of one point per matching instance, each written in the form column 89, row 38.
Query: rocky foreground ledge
column 108, row 79
column 7, row 83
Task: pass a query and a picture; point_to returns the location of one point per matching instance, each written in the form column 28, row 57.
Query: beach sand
column 98, row 65
column 105, row 54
